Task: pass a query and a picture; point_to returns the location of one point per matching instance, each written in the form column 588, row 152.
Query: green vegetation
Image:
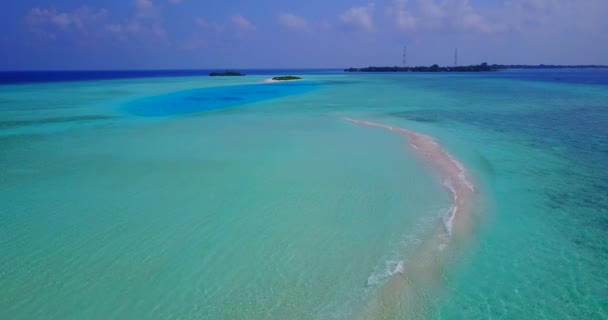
column 547, row 66
column 484, row 67
column 286, row 78
column 226, row 74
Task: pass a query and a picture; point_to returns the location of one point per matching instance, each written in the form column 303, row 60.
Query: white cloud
column 466, row 18
column 241, row 23
column 293, row 21
column 444, row 15
column 46, row 21
column 358, row 17
column 403, row 19
column 146, row 8
column 145, row 25
column 201, row 22
column 116, row 28
column 533, row 4
column 556, row 16
column 144, row 4
column 208, row 25
column 61, row 19
column 137, row 30
column 431, row 10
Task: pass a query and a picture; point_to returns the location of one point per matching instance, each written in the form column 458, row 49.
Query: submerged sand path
column 408, row 290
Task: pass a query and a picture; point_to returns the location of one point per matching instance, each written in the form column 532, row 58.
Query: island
column 225, row 74
column 484, row 67
column 286, row 78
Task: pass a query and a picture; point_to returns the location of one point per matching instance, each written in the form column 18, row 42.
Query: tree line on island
column 286, row 78
column 226, row 74
column 484, row 67
column 235, row 73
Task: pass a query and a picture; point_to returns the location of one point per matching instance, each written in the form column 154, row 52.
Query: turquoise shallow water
column 227, row 198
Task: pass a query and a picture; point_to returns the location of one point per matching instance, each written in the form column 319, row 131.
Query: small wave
column 462, row 171
column 391, row 268
column 411, row 240
column 450, row 214
column 454, row 178
column 398, row 269
column 463, row 178
column 448, row 220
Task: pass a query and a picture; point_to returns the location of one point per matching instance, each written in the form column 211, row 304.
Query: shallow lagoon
column 274, row 207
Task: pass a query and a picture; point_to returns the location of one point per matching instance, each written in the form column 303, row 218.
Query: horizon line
column 295, row 68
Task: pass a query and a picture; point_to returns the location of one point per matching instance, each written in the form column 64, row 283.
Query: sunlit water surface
column 230, row 198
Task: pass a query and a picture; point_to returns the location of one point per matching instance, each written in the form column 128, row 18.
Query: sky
column 192, row 34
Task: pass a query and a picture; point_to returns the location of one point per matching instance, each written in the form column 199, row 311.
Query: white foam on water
column 411, row 240
column 448, row 217
column 391, row 267
column 462, row 171
column 398, row 269
column 455, row 180
column 448, row 220
column 466, row 181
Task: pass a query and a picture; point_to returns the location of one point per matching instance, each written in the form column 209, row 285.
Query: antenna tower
column 405, row 56
column 456, row 57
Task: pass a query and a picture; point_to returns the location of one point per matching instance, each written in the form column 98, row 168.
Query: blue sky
column 144, row 34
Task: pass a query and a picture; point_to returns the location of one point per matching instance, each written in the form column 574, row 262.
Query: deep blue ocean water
column 213, row 98
column 588, row 76
column 574, row 76
column 15, row 77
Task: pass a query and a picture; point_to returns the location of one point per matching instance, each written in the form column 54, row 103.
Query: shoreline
column 271, row 80
column 409, row 285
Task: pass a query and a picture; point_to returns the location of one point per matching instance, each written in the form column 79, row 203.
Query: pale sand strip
column 408, row 291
